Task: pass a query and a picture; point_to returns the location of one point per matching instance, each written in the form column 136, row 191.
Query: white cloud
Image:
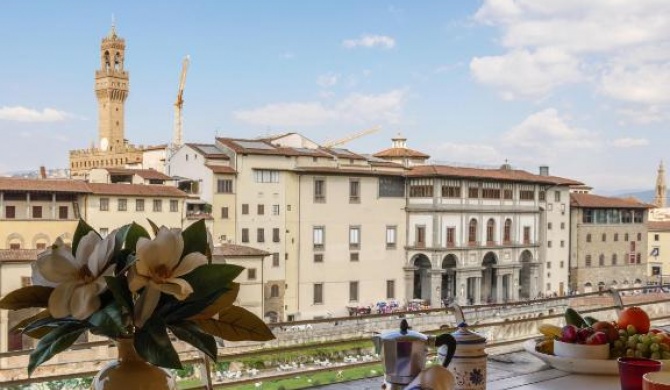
column 521, row 73
column 327, row 80
column 24, row 114
column 355, row 108
column 645, row 84
column 629, row 142
column 547, row 131
column 369, row 41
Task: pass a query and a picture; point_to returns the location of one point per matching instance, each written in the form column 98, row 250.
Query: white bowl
column 582, row 351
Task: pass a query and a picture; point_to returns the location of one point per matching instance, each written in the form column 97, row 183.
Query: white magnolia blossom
column 78, row 279
column 159, row 268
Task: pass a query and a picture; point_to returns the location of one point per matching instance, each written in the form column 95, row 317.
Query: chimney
column 544, row 170
column 43, row 172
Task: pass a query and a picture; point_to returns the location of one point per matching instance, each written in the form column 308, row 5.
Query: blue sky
column 583, row 88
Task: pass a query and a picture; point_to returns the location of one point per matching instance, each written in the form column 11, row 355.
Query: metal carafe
column 404, row 353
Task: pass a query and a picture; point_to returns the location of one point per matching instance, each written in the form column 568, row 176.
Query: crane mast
column 178, row 105
column 351, row 137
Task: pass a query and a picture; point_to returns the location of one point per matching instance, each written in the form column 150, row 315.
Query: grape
column 631, row 330
column 658, row 339
column 632, row 343
column 654, row 347
column 642, row 347
column 644, row 339
column 630, row 352
column 622, row 332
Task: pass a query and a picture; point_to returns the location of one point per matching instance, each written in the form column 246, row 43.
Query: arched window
column 490, row 231
column 472, row 232
column 507, row 231
column 274, row 291
column 107, row 63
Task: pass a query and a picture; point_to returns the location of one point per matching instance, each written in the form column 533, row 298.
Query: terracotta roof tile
column 221, row 169
column 238, row 250
column 401, row 152
column 659, row 226
column 597, row 201
column 148, row 174
column 347, row 171
column 18, row 255
column 47, row 185
column 136, row 190
column 490, row 174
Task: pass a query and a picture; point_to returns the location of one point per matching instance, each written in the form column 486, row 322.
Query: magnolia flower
column 158, row 269
column 79, row 279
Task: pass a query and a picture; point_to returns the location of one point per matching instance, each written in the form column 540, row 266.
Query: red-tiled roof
column 156, row 147
column 149, row 174
column 47, row 185
column 343, row 153
column 597, row 201
column 487, row 174
column 136, row 190
column 347, row 171
column 18, row 255
column 401, row 152
column 221, row 169
column 659, row 226
column 233, row 250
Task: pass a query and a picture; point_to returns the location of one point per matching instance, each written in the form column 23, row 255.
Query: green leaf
column 118, row 285
column 108, row 321
column 135, row 231
column 55, row 342
column 30, row 296
column 195, row 238
column 236, row 324
column 190, row 333
column 27, row 321
column 154, row 227
column 207, row 278
column 120, row 237
column 180, row 310
column 38, row 328
column 153, row 344
column 82, row 229
column 223, row 302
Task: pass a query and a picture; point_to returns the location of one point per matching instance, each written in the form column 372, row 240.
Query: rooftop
column 401, row 152
column 211, row 151
column 502, row 174
column 597, row 201
column 135, row 190
column 233, row 250
column 18, row 255
column 9, row 184
column 148, row 174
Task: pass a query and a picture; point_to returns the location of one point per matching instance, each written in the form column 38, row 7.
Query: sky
column 580, row 86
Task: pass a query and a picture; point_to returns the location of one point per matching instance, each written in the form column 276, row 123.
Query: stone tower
column 111, row 89
column 661, row 194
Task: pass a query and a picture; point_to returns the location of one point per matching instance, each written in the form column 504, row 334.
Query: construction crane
column 178, row 105
column 351, row 137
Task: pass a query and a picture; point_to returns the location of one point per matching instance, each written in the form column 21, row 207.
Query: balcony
column 294, row 357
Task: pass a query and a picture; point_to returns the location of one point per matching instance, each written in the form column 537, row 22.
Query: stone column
column 2, row 211
column 29, row 213
column 53, row 206
column 478, row 290
column 499, row 288
column 461, row 289
column 436, row 288
column 409, row 282
column 514, row 285
column 533, row 282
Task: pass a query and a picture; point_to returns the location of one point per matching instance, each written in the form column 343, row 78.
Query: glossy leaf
column 153, row 344
column 40, row 327
column 55, row 342
column 27, row 321
column 190, row 333
column 82, row 229
column 207, row 278
column 180, row 310
column 25, row 297
column 118, row 285
column 135, row 231
column 195, row 238
column 108, row 321
column 222, row 302
column 120, row 237
column 236, row 324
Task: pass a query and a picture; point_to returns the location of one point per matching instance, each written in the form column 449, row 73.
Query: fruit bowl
column 582, row 351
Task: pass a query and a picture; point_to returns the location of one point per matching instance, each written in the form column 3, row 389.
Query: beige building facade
column 658, row 252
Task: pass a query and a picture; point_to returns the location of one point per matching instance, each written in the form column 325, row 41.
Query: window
column 274, row 291
column 318, row 237
column 549, row 244
column 639, row 236
column 562, row 264
column 261, row 209
column 451, row 237
column 275, row 259
column 507, row 231
column 390, row 289
column 10, row 212
column 104, row 232
column 542, row 196
column 638, row 258
column 614, row 259
column 638, row 216
column 353, row 256
column 557, row 196
column 275, row 209
column 391, row 232
column 391, row 187
column 266, row 176
column 451, row 189
column 104, row 204
column 562, row 225
column 616, row 236
column 122, row 205
column 275, row 235
column 224, row 212
column 353, row 291
column 420, row 237
column 251, row 273
column 15, row 245
column 508, row 193
column 421, row 188
column 354, row 191
column 549, row 225
column 37, row 211
column 245, row 235
column 62, row 212
column 490, row 231
column 527, row 194
column 548, row 264
column 224, row 186
column 319, row 190
column 588, row 260
column 562, row 243
column 588, row 237
column 318, row 293
column 354, row 237
column 260, row 235
column 526, row 234
column 245, row 209
column 473, row 192
column 472, row 232
column 139, row 204
column 491, row 193
column 158, row 205
column 318, row 257
column 656, row 237
column 625, row 237
column 41, row 246
column 601, row 260
column 174, row 205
